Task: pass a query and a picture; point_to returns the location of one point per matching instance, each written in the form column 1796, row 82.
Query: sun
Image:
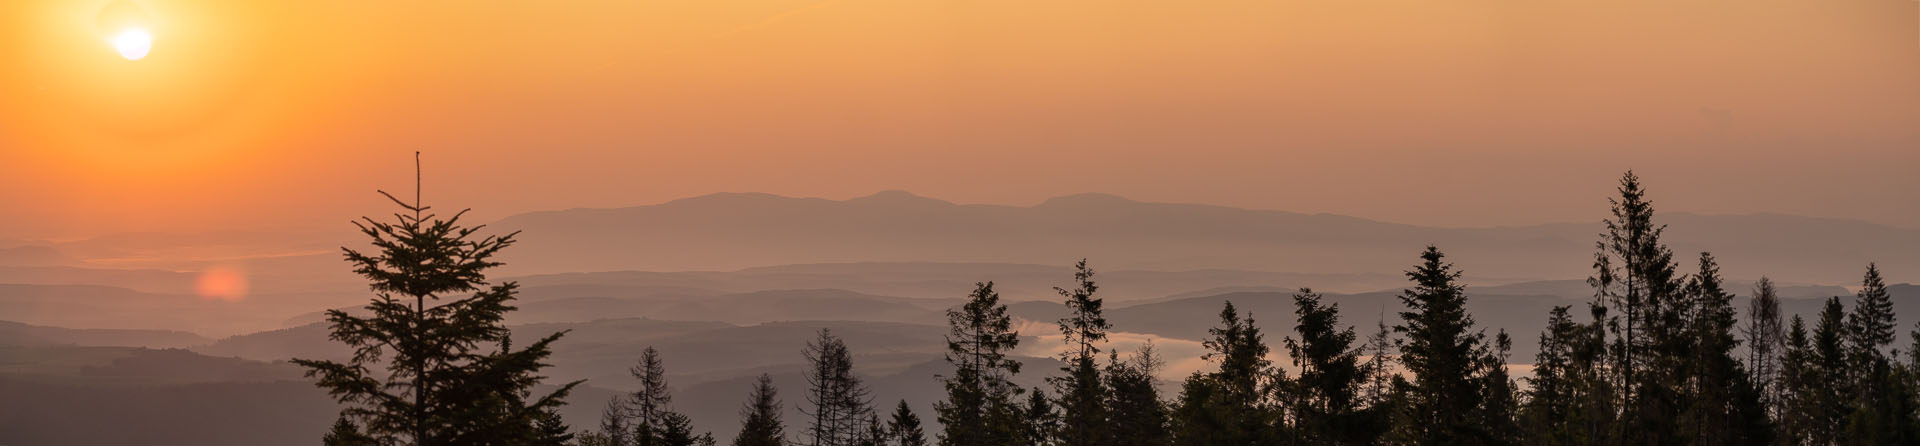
column 133, row 43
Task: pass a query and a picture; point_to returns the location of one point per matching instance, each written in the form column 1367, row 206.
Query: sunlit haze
column 1463, row 113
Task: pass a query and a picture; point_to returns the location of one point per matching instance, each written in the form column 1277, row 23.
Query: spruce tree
column 760, row 423
column 1552, row 395
column 1765, row 337
column 345, row 433
column 1229, row 405
column 1083, row 414
column 1634, row 275
column 1039, row 421
column 1501, row 409
column 443, row 384
column 1870, row 328
column 979, row 409
column 840, row 402
column 1716, row 392
column 1137, row 417
column 1827, row 407
column 1380, row 358
column 613, row 423
column 1443, row 354
column 647, row 407
column 1800, row 387
column 904, row 428
column 1326, row 393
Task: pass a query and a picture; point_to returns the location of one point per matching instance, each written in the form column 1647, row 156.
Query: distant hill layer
column 732, row 231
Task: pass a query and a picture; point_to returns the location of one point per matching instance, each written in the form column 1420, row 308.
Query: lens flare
column 222, row 283
column 133, row 44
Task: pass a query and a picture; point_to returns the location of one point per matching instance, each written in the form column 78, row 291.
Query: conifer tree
column 840, row 403
column 1500, row 412
column 1869, row 328
column 1326, row 393
column 647, row 407
column 345, row 433
column 613, row 423
column 674, row 429
column 876, row 433
column 904, row 428
column 1799, row 387
column 979, row 409
column 760, row 423
column 1886, row 411
column 1828, row 409
column 1634, row 274
column 1137, row 417
column 1551, row 403
column 1765, row 337
column 1443, row 355
column 442, row 384
column 1083, row 414
column 1716, row 394
column 1039, row 420
column 1229, row 405
column 1380, row 357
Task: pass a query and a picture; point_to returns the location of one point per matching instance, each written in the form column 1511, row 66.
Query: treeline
column 1658, row 357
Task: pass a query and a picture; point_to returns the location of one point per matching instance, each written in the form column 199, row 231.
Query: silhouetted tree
column 1828, row 407
column 1869, row 330
column 1039, row 420
column 904, row 428
column 1083, row 413
column 1136, row 416
column 1885, row 412
column 1799, row 387
column 613, row 423
column 442, row 384
column 1380, row 353
column 1229, row 405
column 1766, row 336
column 345, row 433
column 1326, row 394
column 979, row 409
column 647, row 407
column 1444, row 356
column 674, row 429
column 760, row 423
column 1634, row 273
column 1500, row 413
column 840, row 403
column 1720, row 404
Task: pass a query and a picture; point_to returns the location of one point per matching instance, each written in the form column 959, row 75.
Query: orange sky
column 1468, row 112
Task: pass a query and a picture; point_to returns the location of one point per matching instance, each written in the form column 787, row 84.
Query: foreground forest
column 1660, row 355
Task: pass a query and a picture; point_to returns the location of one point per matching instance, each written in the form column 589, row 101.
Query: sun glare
column 222, row 283
column 133, row 43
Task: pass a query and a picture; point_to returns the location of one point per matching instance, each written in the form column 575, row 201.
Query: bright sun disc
column 133, row 43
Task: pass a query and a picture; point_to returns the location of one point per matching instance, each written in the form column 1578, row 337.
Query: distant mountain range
column 742, row 230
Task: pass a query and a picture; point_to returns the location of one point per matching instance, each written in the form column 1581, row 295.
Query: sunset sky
column 287, row 115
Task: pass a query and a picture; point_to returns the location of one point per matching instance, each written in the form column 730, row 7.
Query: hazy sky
column 1466, row 112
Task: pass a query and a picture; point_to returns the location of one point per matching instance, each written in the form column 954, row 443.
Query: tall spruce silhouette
column 1634, row 276
column 1443, row 354
column 1230, row 405
column 760, row 423
column 979, row 409
column 1082, row 393
column 451, row 375
column 1720, row 403
column 840, row 402
column 1326, row 394
column 1765, row 335
column 1136, row 415
column 903, row 429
